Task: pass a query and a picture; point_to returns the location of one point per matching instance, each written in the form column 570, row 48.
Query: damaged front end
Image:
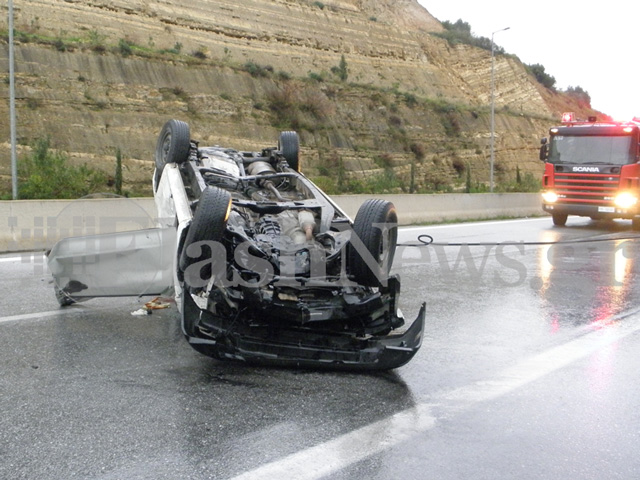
column 317, row 326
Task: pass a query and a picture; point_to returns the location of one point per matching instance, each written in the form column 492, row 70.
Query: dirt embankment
column 240, row 71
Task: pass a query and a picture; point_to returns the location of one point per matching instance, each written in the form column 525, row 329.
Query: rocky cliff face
column 101, row 75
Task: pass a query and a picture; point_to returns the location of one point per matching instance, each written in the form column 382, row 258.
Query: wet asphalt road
column 529, row 369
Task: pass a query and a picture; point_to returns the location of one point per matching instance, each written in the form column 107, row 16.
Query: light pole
column 493, row 108
column 12, row 108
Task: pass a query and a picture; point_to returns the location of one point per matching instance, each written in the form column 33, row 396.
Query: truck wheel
column 376, row 226
column 174, row 143
column 289, row 145
column 559, row 219
column 208, row 224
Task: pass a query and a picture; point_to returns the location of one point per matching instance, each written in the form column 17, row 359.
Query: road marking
column 549, row 361
column 27, row 257
column 336, row 454
column 10, row 259
column 32, row 316
column 331, row 456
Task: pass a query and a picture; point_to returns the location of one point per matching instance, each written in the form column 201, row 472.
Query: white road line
column 337, row 454
column 33, row 316
column 331, row 456
column 26, row 258
column 546, row 362
column 10, row 259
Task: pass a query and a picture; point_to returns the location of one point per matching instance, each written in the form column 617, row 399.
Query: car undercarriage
column 268, row 269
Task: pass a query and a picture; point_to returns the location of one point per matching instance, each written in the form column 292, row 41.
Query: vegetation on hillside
column 303, row 104
column 583, row 97
column 460, row 32
column 541, row 75
column 47, row 174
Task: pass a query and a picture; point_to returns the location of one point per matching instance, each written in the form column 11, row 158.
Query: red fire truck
column 592, row 170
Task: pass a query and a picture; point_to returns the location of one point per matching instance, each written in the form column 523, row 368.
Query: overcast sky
column 594, row 46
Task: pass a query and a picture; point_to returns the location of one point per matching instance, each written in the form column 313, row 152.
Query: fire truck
column 592, row 170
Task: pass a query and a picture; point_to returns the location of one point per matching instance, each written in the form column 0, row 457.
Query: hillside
column 372, row 92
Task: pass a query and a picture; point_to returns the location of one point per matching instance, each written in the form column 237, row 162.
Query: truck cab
column 592, row 170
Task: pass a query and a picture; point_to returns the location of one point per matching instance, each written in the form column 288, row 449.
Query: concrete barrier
column 31, row 225
column 28, row 225
column 434, row 208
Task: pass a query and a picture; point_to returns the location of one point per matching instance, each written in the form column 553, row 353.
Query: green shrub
column 341, row 71
column 410, row 99
column 317, row 77
column 46, row 174
column 118, row 175
column 384, row 160
column 299, row 107
column 523, row 183
column 541, row 76
column 97, row 41
column 60, row 45
column 34, row 103
column 385, row 182
column 124, row 47
column 451, row 124
column 327, row 184
column 419, row 150
column 460, row 32
column 258, row 71
column 581, row 95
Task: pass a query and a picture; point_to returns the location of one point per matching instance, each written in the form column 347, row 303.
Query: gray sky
column 580, row 44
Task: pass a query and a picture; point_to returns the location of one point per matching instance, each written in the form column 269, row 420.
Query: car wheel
column 208, row 224
column 174, row 143
column 289, row 145
column 376, row 227
column 559, row 219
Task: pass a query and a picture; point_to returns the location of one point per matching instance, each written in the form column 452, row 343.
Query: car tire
column 376, row 225
column 173, row 145
column 208, row 224
column 559, row 219
column 289, row 145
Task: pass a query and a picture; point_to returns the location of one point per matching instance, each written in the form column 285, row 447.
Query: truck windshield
column 615, row 150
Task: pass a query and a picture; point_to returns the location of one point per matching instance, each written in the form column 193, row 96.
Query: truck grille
column 586, row 188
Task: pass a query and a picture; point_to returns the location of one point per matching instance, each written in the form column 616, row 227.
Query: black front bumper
column 593, row 211
column 298, row 346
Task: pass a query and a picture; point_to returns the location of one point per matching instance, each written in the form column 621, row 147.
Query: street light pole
column 12, row 107
column 493, row 109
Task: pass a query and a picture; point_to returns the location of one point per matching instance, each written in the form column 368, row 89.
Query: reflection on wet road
column 527, row 371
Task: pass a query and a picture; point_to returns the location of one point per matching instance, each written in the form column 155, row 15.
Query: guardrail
column 28, row 225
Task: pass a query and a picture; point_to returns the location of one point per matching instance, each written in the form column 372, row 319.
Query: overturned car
column 265, row 267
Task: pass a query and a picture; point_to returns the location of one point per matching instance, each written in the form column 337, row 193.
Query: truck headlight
column 625, row 200
column 550, row 197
